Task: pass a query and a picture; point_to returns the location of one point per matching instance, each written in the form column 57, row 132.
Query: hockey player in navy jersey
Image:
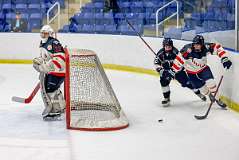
column 163, row 63
column 51, row 66
column 193, row 57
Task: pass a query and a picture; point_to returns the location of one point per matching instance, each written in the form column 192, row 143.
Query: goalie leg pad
column 45, row 97
column 52, row 97
column 57, row 101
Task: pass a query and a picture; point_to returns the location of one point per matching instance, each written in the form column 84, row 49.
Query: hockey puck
column 160, row 120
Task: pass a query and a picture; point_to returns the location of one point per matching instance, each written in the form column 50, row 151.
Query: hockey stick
column 139, row 36
column 210, row 106
column 132, row 27
column 28, row 99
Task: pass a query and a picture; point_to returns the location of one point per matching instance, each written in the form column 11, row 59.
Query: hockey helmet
column 47, row 29
column 167, row 42
column 198, row 39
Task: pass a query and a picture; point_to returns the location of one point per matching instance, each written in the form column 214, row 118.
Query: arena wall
column 118, row 52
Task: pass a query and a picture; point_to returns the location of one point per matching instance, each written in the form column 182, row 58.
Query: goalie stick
column 28, row 99
column 210, row 106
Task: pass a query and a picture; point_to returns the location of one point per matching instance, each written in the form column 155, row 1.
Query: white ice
column 24, row 136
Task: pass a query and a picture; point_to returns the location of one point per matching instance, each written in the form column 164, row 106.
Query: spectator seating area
column 219, row 16
column 93, row 19
column 33, row 11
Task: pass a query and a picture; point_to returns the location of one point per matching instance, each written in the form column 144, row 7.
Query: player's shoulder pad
column 186, row 47
column 56, row 45
column 55, row 41
column 184, row 50
column 210, row 45
column 160, row 52
column 175, row 50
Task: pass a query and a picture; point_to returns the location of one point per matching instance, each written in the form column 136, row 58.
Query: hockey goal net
column 91, row 103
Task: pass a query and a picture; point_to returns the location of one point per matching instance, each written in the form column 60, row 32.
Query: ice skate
column 52, row 117
column 201, row 96
column 221, row 104
column 166, row 102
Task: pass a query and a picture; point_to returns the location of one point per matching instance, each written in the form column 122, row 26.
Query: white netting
column 92, row 100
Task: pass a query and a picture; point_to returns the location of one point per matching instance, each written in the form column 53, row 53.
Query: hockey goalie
column 51, row 66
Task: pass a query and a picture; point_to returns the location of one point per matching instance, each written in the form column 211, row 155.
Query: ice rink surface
column 24, row 136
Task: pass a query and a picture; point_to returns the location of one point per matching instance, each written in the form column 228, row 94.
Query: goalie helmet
column 46, row 31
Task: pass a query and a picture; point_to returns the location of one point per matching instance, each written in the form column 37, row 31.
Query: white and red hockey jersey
column 195, row 62
column 54, row 56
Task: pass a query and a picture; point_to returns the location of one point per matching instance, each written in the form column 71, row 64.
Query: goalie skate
column 53, row 117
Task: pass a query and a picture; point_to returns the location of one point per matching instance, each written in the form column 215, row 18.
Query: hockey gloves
column 226, row 62
column 167, row 74
column 171, row 74
column 40, row 66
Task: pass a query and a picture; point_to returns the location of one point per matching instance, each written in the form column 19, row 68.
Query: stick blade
column 200, row 117
column 18, row 99
column 28, row 99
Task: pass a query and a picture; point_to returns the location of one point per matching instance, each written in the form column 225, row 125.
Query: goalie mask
column 45, row 32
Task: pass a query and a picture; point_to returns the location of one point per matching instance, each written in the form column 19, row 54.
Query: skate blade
column 52, row 118
column 223, row 108
column 166, row 105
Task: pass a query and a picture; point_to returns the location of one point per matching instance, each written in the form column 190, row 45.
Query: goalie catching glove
column 41, row 66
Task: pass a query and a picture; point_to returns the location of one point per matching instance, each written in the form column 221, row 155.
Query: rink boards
column 127, row 53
